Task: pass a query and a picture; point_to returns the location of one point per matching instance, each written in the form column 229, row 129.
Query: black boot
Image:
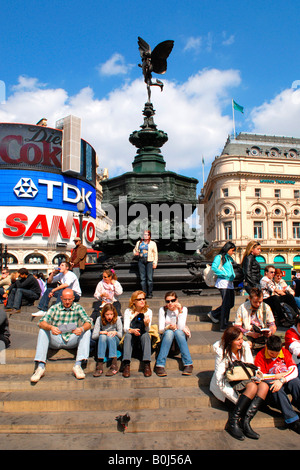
column 232, row 425
column 250, row 413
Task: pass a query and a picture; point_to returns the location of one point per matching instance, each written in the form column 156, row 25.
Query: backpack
column 209, row 276
column 289, row 314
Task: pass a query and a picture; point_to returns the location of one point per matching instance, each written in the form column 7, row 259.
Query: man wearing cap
column 78, row 257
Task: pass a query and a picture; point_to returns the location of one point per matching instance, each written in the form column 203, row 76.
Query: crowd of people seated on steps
column 283, row 299
column 107, row 334
column 254, row 366
column 111, row 335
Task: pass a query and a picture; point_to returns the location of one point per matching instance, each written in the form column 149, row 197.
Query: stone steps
column 161, row 408
column 154, row 420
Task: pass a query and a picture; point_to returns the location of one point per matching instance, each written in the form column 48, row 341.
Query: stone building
column 253, row 192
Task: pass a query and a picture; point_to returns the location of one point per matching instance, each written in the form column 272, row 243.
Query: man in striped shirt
column 65, row 326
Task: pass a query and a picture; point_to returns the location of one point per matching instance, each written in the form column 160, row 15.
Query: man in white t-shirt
column 65, row 279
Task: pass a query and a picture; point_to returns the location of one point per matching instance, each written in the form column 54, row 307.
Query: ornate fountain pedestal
column 150, row 197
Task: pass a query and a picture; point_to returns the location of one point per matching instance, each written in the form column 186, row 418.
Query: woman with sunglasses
column 172, row 326
column 137, row 322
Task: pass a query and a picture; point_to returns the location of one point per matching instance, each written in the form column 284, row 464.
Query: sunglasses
column 171, row 301
column 143, row 298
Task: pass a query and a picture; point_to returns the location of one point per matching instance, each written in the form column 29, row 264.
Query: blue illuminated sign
column 43, row 189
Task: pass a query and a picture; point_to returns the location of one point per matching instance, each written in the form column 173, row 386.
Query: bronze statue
column 155, row 61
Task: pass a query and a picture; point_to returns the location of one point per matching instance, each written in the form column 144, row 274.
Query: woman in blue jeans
column 172, row 326
column 223, row 268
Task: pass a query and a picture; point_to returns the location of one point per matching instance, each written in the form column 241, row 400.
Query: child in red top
column 292, row 341
column 281, row 373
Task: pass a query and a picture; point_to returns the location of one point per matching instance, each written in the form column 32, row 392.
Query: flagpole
column 203, row 170
column 233, row 119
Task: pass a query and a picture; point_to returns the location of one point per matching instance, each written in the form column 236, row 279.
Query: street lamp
column 80, row 208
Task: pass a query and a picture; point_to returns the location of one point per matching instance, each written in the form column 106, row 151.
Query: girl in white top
column 172, row 326
column 108, row 289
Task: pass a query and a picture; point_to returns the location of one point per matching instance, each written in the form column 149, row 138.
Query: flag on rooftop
column 238, row 107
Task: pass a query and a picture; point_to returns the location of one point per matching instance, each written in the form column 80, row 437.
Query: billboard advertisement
column 40, row 227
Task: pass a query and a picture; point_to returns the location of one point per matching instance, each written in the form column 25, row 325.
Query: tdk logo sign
column 71, row 193
column 60, row 192
column 25, row 188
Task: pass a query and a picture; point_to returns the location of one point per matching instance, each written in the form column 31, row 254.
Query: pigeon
column 123, row 421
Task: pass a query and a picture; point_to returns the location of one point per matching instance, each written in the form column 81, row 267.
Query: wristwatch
column 282, row 380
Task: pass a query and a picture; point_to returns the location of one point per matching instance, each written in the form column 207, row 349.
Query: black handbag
column 138, row 322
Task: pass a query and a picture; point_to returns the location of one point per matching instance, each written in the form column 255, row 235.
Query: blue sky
column 74, row 57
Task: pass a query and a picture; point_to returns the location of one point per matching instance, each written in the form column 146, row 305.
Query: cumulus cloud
column 280, row 116
column 116, row 65
column 191, row 113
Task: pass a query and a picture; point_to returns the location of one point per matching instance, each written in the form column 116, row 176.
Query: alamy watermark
column 165, row 221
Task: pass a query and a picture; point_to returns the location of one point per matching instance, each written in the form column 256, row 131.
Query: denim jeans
column 223, row 312
column 46, row 339
column 109, row 342
column 281, row 400
column 16, row 295
column 146, row 276
column 44, row 302
column 129, row 342
column 166, row 344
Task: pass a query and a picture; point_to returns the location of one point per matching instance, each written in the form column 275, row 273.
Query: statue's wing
column 159, row 56
column 143, row 47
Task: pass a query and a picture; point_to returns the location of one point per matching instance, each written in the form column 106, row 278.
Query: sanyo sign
column 42, row 227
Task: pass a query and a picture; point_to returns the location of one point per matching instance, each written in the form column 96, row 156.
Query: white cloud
column 116, row 65
column 227, row 41
column 28, row 83
column 280, row 116
column 190, row 113
column 193, row 43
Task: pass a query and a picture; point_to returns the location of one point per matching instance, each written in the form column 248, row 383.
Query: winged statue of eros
column 154, row 61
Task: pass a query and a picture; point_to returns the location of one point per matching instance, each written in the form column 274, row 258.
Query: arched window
column 59, row 259
column 11, row 259
column 34, row 258
column 260, row 259
column 279, row 259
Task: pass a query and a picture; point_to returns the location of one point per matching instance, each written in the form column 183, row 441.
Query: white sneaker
column 78, row 372
column 38, row 374
column 40, row 313
column 212, row 318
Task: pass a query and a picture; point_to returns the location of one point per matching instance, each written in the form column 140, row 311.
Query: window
column 257, row 192
column 258, row 230
column 277, row 193
column 277, row 229
column 296, row 193
column 225, row 192
column 296, row 229
column 228, row 230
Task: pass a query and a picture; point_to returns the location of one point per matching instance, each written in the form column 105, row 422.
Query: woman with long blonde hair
column 137, row 322
column 251, row 266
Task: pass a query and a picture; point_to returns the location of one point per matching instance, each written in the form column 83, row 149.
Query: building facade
column 253, row 192
column 45, row 172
